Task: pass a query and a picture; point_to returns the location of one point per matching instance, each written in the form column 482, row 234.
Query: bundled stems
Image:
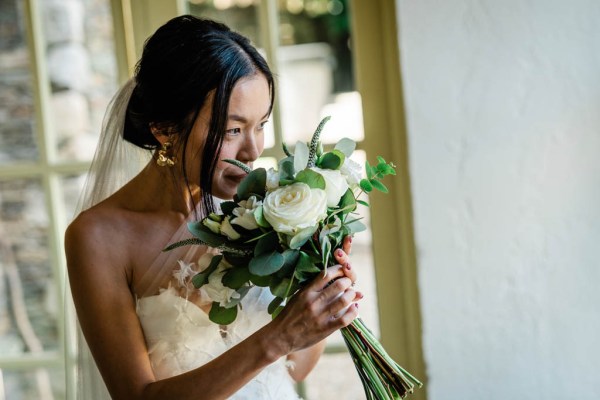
column 382, row 377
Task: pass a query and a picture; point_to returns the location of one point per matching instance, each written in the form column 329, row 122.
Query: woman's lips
column 236, row 178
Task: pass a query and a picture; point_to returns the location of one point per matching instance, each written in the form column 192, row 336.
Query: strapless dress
column 180, row 337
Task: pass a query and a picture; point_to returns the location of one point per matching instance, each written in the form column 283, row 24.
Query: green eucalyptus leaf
column 311, row 178
column 302, row 237
column 290, row 258
column 235, row 278
column 366, row 185
column 369, row 170
column 300, row 156
column 266, row 264
column 332, row 160
column 266, row 244
column 199, row 230
column 305, row 267
column 261, row 281
column 286, row 170
column 364, row 203
column 254, row 183
column 348, row 201
column 222, row 315
column 243, row 291
column 201, row 278
column 346, row 146
column 356, row 226
column 279, row 286
column 379, row 186
column 260, row 217
column 381, row 160
column 276, row 302
column 236, row 259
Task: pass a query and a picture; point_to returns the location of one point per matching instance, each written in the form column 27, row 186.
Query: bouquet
column 281, row 231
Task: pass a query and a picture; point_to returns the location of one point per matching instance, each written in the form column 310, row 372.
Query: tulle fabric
column 178, row 333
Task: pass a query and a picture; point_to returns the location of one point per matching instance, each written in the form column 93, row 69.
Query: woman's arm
column 106, row 310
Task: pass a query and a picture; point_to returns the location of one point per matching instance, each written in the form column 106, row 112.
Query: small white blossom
column 272, row 179
column 335, row 185
column 214, row 226
column 244, row 215
column 352, row 171
column 228, row 230
column 215, row 288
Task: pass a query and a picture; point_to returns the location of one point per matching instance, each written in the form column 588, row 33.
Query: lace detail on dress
column 181, row 337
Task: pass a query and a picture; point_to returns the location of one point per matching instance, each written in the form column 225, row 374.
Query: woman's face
column 249, row 108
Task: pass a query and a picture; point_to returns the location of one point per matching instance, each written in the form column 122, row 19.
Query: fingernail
column 360, row 295
column 348, row 267
column 339, row 253
column 350, row 239
column 356, row 305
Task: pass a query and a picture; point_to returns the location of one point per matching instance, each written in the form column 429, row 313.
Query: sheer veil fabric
column 115, row 162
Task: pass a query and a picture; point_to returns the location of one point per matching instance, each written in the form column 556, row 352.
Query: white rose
column 294, row 207
column 335, row 185
column 215, row 289
column 244, row 215
column 352, row 171
column 228, row 230
column 272, row 179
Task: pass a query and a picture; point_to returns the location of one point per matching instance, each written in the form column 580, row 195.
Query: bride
column 201, row 94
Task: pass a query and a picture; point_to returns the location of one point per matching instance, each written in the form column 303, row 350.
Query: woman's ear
column 161, row 133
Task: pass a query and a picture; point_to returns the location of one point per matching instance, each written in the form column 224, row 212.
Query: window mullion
column 41, row 85
column 269, row 27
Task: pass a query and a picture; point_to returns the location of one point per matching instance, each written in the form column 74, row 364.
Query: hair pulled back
column 182, row 63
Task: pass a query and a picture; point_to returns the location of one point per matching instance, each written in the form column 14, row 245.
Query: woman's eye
column 233, row 131
column 262, row 125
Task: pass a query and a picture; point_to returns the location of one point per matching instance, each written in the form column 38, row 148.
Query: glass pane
column 82, row 71
column 344, row 383
column 39, row 384
column 29, row 303
column 239, row 15
column 72, row 187
column 315, row 71
column 17, row 129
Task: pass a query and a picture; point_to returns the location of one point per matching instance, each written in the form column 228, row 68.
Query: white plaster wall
column 503, row 109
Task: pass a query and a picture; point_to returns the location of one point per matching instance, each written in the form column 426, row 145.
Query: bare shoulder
column 96, row 237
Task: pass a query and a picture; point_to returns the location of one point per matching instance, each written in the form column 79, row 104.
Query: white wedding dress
column 180, row 337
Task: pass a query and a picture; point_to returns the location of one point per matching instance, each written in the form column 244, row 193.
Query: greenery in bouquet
column 281, row 231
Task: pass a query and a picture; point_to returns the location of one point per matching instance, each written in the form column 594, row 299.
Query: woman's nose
column 251, row 148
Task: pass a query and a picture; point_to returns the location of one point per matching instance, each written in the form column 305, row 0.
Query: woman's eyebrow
column 241, row 118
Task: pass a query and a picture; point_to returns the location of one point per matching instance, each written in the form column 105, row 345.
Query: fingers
column 343, row 301
column 342, row 258
column 347, row 244
column 322, row 281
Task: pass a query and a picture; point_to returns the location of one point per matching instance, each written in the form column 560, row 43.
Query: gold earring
column 164, row 160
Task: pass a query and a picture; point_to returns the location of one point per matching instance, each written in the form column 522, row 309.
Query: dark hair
column 182, row 62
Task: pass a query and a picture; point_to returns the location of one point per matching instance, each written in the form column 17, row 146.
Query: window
column 58, row 71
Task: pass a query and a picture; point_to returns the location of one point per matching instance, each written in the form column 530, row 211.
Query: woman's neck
column 158, row 188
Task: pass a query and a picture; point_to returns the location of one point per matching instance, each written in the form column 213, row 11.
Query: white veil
column 115, row 162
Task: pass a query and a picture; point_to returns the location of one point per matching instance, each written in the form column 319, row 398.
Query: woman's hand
column 326, row 304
